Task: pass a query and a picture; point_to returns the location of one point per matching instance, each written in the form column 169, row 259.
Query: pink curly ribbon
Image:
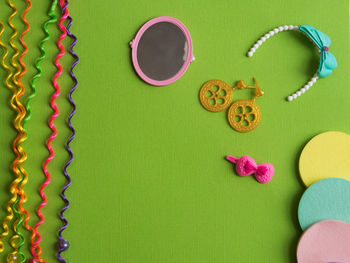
column 53, row 135
column 246, row 166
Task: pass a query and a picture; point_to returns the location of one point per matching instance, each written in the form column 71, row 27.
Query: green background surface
column 150, row 183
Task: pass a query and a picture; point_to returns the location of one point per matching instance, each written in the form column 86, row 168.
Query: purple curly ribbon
column 64, row 220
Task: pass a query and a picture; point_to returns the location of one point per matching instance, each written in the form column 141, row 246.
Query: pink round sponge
column 325, row 241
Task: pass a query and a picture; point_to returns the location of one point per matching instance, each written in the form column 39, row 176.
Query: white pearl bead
column 307, row 87
column 290, row 98
column 296, row 27
column 260, row 42
column 280, row 28
column 253, row 50
column 314, row 79
column 271, row 33
column 295, row 96
column 256, row 46
column 291, row 27
column 303, row 90
column 298, row 93
column 286, row 27
column 250, row 53
column 263, row 39
column 276, row 30
column 310, row 83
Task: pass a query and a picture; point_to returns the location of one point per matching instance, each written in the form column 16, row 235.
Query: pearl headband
column 322, row 42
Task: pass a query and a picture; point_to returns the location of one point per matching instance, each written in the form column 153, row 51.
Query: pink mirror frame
column 134, row 44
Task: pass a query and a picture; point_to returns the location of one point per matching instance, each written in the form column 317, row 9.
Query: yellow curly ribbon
column 15, row 105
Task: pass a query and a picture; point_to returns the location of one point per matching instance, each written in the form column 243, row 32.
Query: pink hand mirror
column 161, row 51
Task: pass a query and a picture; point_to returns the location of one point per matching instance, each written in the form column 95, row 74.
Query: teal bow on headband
column 328, row 61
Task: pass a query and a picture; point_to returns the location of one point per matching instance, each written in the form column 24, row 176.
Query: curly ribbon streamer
column 23, row 198
column 36, row 237
column 21, row 155
column 54, row 107
column 64, row 7
column 50, row 123
column 13, row 103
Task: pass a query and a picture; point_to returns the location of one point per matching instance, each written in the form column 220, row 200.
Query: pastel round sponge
column 326, row 155
column 325, row 241
column 325, row 199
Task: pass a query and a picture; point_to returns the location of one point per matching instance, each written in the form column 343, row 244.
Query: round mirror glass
column 162, row 51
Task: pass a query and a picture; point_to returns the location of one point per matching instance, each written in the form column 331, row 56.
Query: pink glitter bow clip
column 246, row 166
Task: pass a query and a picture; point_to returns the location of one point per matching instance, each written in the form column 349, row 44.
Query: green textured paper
column 150, row 183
